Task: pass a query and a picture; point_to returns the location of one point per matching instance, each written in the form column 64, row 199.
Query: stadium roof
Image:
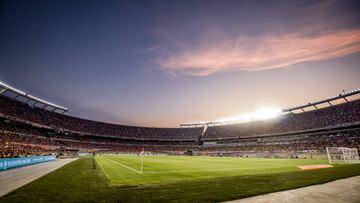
column 342, row 95
column 29, row 99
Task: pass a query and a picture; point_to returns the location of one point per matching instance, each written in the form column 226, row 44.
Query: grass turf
column 126, row 169
column 80, row 182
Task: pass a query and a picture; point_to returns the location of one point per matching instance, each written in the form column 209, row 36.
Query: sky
column 161, row 63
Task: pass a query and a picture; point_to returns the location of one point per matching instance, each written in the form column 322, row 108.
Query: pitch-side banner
column 7, row 163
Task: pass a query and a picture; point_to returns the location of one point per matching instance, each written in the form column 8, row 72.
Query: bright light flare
column 260, row 114
column 267, row 113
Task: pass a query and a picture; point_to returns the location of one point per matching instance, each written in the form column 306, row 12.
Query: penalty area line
column 125, row 166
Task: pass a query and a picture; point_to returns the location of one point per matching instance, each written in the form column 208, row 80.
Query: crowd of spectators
column 17, row 145
column 322, row 118
column 13, row 145
column 93, row 127
column 19, row 110
column 62, row 122
column 60, row 134
column 18, row 139
column 290, row 143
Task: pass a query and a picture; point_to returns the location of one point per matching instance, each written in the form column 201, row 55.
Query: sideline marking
column 107, row 175
column 123, row 165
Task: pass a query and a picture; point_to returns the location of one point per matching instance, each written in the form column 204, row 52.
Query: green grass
column 173, row 179
column 125, row 169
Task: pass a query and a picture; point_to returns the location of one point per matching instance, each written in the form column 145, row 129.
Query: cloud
column 260, row 53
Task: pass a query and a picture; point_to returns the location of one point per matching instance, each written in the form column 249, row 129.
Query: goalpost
column 342, row 155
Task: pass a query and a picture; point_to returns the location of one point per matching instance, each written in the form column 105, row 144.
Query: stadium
column 160, row 163
column 179, row 101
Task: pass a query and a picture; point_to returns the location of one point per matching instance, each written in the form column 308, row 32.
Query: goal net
column 342, row 155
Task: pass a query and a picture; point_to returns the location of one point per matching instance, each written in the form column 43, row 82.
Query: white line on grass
column 125, row 166
column 107, row 175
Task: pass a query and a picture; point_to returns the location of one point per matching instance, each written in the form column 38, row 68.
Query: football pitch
column 126, row 169
column 118, row 178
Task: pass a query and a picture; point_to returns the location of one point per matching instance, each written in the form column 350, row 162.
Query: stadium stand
column 28, row 130
column 346, row 113
column 61, row 122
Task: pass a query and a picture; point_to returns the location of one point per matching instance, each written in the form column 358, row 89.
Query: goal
column 342, row 155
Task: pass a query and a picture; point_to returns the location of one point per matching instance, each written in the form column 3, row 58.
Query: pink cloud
column 254, row 54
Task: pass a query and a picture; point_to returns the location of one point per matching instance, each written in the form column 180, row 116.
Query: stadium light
column 241, row 118
column 259, row 114
column 12, row 88
column 37, row 99
column 267, row 113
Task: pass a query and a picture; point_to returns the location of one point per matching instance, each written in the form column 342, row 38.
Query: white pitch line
column 125, row 166
column 107, row 175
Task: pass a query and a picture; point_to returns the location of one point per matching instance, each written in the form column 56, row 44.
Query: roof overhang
column 29, row 99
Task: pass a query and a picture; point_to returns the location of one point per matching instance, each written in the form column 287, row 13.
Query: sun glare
column 259, row 114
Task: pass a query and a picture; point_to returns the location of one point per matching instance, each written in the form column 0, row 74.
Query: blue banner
column 7, row 163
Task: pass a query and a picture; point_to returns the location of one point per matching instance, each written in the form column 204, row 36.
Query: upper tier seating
column 24, row 112
column 322, row 118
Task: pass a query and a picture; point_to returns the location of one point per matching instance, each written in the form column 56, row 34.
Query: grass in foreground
column 79, row 182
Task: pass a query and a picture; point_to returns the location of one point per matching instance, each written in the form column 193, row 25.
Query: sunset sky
column 160, row 63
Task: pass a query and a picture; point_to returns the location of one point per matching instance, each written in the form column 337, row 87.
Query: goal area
column 342, row 155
